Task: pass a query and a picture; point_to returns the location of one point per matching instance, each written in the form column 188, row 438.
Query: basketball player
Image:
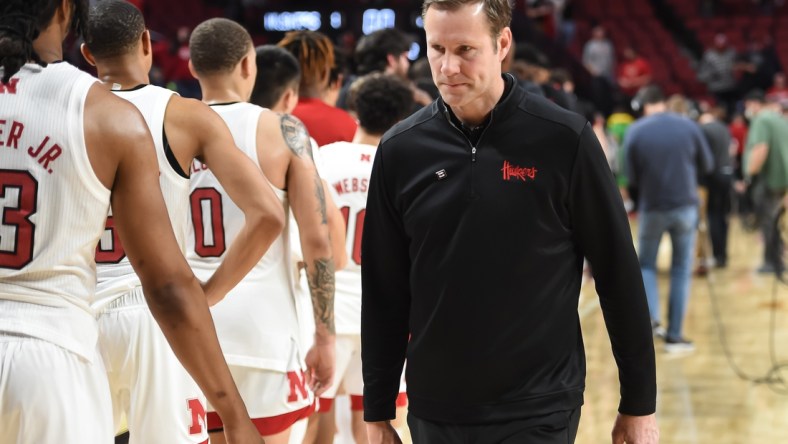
column 257, row 322
column 69, row 148
column 276, row 88
column 380, row 102
column 159, row 399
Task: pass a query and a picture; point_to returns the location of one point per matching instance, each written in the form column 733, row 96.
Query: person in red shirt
column 315, row 53
column 779, row 90
column 633, row 73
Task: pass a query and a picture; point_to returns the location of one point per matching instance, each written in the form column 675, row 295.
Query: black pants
column 719, row 205
column 555, row 428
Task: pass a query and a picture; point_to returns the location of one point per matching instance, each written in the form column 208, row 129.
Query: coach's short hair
column 217, row 45
column 113, row 28
column 498, row 12
column 277, row 70
column 380, row 101
column 372, row 51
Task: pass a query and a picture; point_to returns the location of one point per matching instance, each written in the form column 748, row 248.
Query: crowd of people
column 194, row 265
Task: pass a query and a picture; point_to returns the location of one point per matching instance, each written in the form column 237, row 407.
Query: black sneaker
column 766, row 268
column 678, row 345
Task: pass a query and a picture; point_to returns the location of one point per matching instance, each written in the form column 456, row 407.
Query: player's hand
column 320, row 362
column 382, row 432
column 635, row 430
column 244, row 433
column 210, row 295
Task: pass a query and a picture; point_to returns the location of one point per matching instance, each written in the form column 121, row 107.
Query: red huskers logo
column 517, row 172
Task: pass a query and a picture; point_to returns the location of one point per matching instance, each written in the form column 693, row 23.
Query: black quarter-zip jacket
column 472, row 262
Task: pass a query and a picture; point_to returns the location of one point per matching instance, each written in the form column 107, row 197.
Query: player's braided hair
column 20, row 23
column 315, row 54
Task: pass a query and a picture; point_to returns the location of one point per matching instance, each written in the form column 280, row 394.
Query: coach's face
column 464, row 58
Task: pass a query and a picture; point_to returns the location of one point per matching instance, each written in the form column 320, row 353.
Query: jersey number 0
column 206, row 204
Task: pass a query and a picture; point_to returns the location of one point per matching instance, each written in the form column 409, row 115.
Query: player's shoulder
column 343, row 150
column 112, row 115
column 273, row 119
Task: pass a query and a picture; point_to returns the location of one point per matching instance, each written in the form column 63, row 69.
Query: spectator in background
column 315, row 54
column 278, row 76
column 178, row 68
column 617, row 125
column 599, row 60
column 562, row 80
column 564, row 25
column 336, row 78
column 599, row 55
column 716, row 71
column 679, row 105
column 422, row 77
column 718, row 182
column 766, row 155
column 606, row 140
column 751, row 68
column 386, row 51
column 634, row 72
column 537, row 70
column 665, row 155
column 741, row 198
column 542, row 14
column 779, row 90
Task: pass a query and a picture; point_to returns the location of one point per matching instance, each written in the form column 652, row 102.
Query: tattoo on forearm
column 321, row 199
column 295, row 135
column 321, row 287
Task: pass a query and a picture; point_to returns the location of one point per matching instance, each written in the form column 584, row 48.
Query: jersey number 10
column 357, row 231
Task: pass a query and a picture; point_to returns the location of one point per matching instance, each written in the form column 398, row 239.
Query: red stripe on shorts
column 266, row 426
column 324, row 405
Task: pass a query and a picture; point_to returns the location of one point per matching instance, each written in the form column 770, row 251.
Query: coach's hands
column 382, row 432
column 320, row 361
column 635, row 430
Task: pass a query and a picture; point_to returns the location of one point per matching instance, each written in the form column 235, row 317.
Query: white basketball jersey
column 53, row 208
column 346, row 168
column 256, row 321
column 116, row 277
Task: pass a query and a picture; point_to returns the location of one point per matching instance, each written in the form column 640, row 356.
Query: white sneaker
column 678, row 345
column 658, row 330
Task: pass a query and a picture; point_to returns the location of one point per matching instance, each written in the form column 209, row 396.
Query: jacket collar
column 508, row 103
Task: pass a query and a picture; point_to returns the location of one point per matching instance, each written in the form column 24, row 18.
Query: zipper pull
column 473, row 154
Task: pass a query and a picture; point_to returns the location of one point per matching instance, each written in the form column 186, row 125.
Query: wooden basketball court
column 700, row 398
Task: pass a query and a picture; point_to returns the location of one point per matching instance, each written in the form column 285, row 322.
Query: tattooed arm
column 308, row 202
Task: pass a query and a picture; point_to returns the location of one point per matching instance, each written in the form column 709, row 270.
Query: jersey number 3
column 16, row 213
